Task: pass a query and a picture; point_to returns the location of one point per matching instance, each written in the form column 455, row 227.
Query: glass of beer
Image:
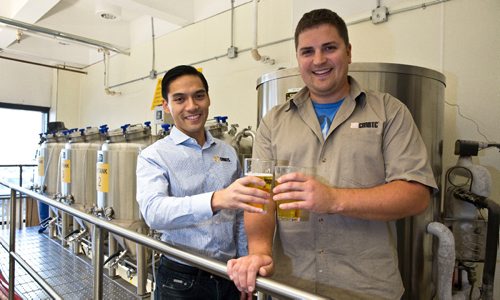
column 264, row 169
column 291, row 214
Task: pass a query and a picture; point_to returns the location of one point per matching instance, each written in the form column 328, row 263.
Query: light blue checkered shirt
column 175, row 182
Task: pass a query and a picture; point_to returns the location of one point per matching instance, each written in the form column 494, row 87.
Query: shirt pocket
column 361, row 155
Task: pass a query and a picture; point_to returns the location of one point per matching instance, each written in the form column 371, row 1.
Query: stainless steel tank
column 422, row 90
column 242, row 141
column 116, row 194
column 48, row 180
column 78, row 178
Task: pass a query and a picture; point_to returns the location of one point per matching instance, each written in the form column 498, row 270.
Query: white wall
column 25, row 84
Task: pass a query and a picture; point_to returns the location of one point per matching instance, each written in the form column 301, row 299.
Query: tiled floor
column 69, row 275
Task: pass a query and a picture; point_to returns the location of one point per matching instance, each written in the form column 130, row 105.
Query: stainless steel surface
column 12, row 243
column 210, row 265
column 422, row 90
column 97, row 260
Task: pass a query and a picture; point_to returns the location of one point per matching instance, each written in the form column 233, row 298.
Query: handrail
column 265, row 285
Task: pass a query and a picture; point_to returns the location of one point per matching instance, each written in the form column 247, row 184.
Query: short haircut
column 177, row 72
column 318, row 17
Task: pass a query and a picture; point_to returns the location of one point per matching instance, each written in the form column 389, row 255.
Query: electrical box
column 379, row 14
column 232, row 52
column 158, row 115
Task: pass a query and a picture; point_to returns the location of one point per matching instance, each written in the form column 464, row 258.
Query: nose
column 191, row 104
column 318, row 58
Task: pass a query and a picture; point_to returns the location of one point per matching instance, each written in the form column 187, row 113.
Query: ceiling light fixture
column 106, row 11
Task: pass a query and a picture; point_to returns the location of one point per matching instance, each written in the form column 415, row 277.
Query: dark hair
column 318, row 17
column 177, row 72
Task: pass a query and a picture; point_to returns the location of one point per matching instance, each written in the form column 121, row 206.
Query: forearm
column 387, row 202
column 163, row 212
column 260, row 232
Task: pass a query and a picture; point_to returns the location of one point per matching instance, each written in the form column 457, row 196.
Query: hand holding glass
column 264, row 169
column 291, row 214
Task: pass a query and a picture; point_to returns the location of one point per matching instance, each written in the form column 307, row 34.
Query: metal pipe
column 208, row 264
column 63, row 35
column 97, row 260
column 446, row 258
column 255, row 51
column 43, row 65
column 12, row 243
column 490, row 257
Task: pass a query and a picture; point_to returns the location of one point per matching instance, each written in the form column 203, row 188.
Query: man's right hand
column 243, row 271
column 239, row 195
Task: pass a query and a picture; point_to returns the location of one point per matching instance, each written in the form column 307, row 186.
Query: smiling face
column 324, row 59
column 188, row 103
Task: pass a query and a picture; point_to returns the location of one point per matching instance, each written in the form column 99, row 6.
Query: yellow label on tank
column 103, row 177
column 41, row 166
column 66, row 171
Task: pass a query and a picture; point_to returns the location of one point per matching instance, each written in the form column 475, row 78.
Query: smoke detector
column 106, row 11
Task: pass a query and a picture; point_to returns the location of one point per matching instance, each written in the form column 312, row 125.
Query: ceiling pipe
column 62, row 68
column 71, row 38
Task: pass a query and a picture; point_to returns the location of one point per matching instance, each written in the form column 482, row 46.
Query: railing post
column 12, row 243
column 98, row 260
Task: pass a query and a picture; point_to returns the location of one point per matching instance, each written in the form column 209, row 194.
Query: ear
column 349, row 52
column 165, row 106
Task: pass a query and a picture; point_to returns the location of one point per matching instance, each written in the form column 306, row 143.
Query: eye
column 178, row 99
column 200, row 95
column 306, row 52
column 330, row 48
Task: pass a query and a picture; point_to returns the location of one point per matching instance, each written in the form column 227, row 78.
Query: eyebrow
column 322, row 45
column 194, row 93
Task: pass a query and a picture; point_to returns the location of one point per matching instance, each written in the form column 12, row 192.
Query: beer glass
column 264, row 169
column 291, row 214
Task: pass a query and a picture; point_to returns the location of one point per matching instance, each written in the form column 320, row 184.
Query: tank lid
column 397, row 68
column 362, row 67
column 283, row 73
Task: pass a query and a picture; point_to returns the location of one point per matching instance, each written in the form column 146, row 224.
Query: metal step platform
column 71, row 276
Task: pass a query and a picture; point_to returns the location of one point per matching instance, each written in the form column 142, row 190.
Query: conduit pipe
column 446, row 259
column 255, row 52
column 107, row 89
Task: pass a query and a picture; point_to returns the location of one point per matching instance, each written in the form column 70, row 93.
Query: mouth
column 193, row 118
column 322, row 72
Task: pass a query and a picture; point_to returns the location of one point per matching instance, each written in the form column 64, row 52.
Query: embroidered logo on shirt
column 219, row 159
column 364, row 125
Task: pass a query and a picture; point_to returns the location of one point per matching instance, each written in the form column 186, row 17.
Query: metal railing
column 4, row 198
column 263, row 285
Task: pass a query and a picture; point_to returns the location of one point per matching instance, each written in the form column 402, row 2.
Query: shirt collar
column 179, row 137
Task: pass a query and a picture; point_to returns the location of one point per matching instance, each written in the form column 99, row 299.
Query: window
column 20, row 126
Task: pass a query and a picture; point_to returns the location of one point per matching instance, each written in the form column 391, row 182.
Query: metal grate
column 69, row 275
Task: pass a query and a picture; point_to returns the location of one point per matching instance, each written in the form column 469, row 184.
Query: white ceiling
column 79, row 18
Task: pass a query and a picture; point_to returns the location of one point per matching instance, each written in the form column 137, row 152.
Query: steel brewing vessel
column 422, row 91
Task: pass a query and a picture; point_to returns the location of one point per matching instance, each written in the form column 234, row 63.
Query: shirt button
column 321, row 271
column 323, row 160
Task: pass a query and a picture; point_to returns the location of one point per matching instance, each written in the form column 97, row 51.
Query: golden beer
column 290, row 214
column 268, row 178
